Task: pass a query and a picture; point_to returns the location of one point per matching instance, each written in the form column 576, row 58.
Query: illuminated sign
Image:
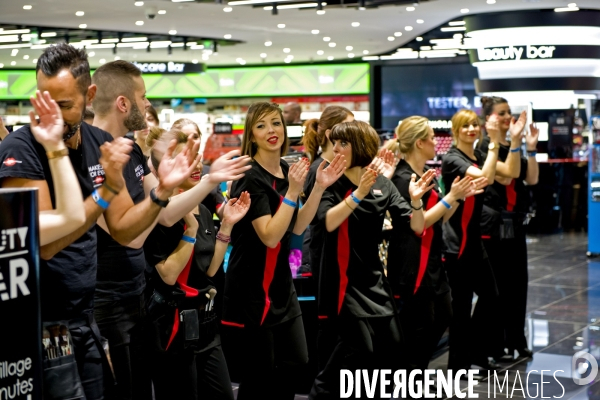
column 437, row 103
column 515, row 53
column 168, row 67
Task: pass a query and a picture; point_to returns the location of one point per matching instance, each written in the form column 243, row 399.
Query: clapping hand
column 492, row 127
column 328, row 175
column 227, row 168
column 517, row 126
column 235, row 209
column 296, row 176
column 532, row 138
column 174, row 170
column 419, row 188
column 49, row 131
column 114, row 157
column 367, row 180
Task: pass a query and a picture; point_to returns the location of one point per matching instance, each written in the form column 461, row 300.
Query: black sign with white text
column 169, row 67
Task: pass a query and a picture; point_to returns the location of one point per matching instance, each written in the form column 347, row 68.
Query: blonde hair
column 154, row 134
column 162, row 142
column 409, row 131
column 461, row 118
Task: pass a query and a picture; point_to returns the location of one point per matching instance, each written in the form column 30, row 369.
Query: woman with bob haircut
column 353, row 284
column 414, row 265
column 467, row 263
column 261, row 308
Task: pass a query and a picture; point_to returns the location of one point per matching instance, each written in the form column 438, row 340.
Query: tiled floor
column 563, row 318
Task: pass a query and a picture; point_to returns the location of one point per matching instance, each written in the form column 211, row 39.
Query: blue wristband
column 532, row 153
column 516, row 150
column 99, row 200
column 354, row 198
column 446, row 204
column 188, row 239
column 289, row 202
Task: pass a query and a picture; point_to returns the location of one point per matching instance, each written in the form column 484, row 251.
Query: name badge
column 377, row 192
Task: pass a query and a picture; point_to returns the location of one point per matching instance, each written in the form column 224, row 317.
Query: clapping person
column 261, row 310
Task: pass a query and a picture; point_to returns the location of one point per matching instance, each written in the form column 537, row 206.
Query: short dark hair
column 255, row 112
column 113, row 79
column 363, row 139
column 152, row 111
column 488, row 103
column 64, row 56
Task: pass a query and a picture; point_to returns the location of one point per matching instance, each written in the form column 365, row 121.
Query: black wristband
column 155, row 199
column 110, row 189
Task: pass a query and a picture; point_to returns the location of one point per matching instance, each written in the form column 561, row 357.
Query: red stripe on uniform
column 426, row 240
column 343, row 257
column 466, row 217
column 323, row 317
column 511, row 196
column 232, row 324
column 175, row 329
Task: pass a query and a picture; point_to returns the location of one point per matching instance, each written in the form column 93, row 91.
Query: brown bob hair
column 256, row 112
column 363, row 140
column 314, row 129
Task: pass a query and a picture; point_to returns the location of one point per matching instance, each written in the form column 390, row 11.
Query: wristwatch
column 492, row 146
column 154, row 198
column 416, row 208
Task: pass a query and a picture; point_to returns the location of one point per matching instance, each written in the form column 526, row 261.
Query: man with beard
column 68, row 265
column 119, row 107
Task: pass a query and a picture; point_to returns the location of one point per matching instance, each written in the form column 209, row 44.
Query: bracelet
column 110, row 188
column 99, row 200
column 223, row 238
column 346, row 203
column 57, row 153
column 532, row 153
column 446, row 204
column 354, row 198
column 188, row 239
column 289, row 202
column 416, row 208
column 515, row 150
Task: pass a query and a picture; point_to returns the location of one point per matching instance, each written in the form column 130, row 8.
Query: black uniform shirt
column 68, row 279
column 354, row 278
column 120, row 268
column 259, row 290
column 416, row 261
column 462, row 232
column 317, row 231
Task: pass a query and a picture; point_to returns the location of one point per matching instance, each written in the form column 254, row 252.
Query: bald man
column 291, row 113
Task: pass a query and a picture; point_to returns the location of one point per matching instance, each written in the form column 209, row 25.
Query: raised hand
column 173, row 171
column 297, row 176
column 226, row 168
column 367, row 180
column 516, row 127
column 327, row 176
column 114, row 156
column 422, row 186
column 384, row 163
column 532, row 138
column 49, row 131
column 235, row 209
column 492, row 127
column 479, row 184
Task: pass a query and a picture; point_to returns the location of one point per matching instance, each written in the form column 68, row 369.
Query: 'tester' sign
column 20, row 336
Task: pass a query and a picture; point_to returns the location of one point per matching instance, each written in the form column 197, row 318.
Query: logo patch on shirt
column 9, row 162
column 97, row 174
column 377, row 192
column 98, row 180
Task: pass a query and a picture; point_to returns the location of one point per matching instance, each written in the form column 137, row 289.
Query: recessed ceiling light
column 263, row 55
column 102, row 61
column 315, row 31
column 408, row 28
column 331, row 44
column 91, row 54
column 464, row 10
column 138, row 3
column 350, row 55
column 162, row 12
column 349, row 48
column 326, row 39
column 14, row 52
column 286, row 50
column 34, row 61
column 228, row 9
column 365, row 51
column 456, row 23
column 320, row 12
column 419, row 38
column 287, row 61
column 410, row 9
column 356, row 24
column 80, row 13
column 26, row 57
column 172, row 32
column 2, row 65
column 13, row 63
column 397, row 34
column 320, row 52
column 572, row 5
column 194, row 61
column 82, row 26
column 27, row 7
column 491, row 1
column 269, row 43
column 227, row 36
column 330, row 58
column 117, row 58
column 420, row 21
column 391, row 38
column 139, row 23
column 281, row 26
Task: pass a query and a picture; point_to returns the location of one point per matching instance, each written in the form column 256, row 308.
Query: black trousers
column 424, row 318
column 89, row 362
column 363, row 343
column 121, row 322
column 470, row 332
column 191, row 376
column 269, row 359
column 508, row 258
column 327, row 338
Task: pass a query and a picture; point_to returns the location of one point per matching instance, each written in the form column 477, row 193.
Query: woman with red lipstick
column 261, row 311
column 505, row 207
column 467, row 265
column 186, row 257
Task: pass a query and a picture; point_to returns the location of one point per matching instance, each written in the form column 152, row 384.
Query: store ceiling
column 289, row 32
